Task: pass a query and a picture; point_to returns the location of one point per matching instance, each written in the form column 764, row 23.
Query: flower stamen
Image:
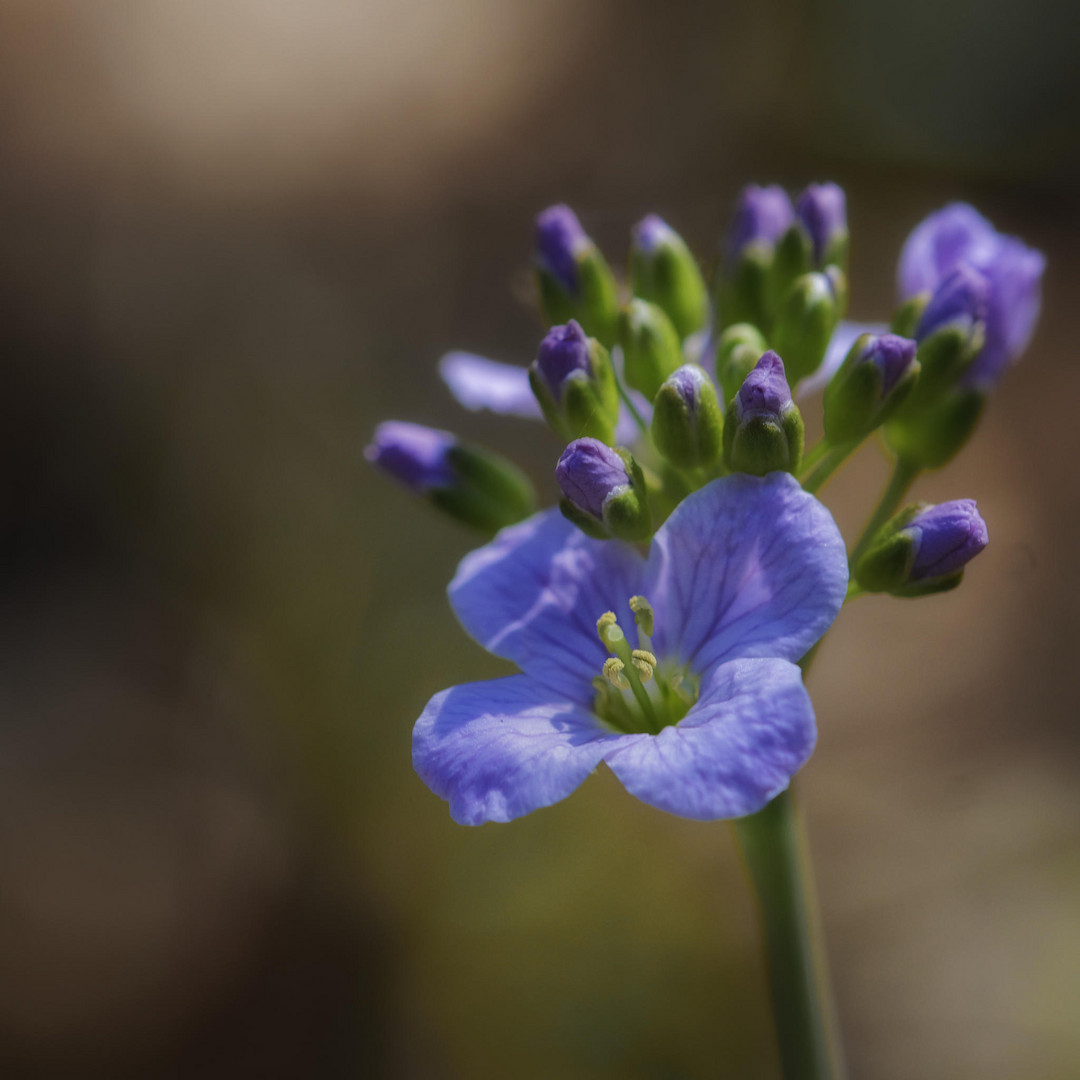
column 645, row 663
column 613, row 668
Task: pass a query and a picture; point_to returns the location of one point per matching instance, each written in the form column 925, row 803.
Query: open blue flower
column 958, row 235
column 692, row 699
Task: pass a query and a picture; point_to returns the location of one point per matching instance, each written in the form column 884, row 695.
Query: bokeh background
column 234, row 234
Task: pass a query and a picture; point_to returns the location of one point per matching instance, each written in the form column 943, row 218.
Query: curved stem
column 632, row 408
column 831, row 461
column 904, row 474
column 774, row 849
column 814, row 454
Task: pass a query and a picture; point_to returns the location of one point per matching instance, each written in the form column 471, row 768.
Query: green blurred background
column 234, row 234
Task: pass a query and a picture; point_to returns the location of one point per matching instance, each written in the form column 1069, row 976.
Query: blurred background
column 234, row 234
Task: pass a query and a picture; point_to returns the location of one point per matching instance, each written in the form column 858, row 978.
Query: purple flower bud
column 892, row 354
column 963, row 296
column 650, row 232
column 822, row 212
column 688, row 382
column 765, row 391
column 589, row 473
column 559, row 240
column 946, row 537
column 564, row 351
column 762, row 216
column 414, row 454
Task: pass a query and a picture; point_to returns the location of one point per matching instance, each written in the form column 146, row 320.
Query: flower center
column 636, row 692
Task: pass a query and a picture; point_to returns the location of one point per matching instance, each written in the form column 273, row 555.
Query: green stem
column 904, row 474
column 831, row 461
column 632, row 408
column 814, row 454
column 774, row 848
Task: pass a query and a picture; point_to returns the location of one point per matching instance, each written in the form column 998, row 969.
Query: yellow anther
column 613, row 667
column 645, row 662
column 604, row 625
column 643, row 613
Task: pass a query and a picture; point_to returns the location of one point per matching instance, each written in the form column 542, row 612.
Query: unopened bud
column 603, row 491
column 763, row 429
column 650, row 344
column 574, row 279
column 876, row 376
column 822, row 212
column 664, row 271
column 687, row 423
column 763, row 215
column 476, row 486
column 740, row 348
column 573, row 380
column 807, row 319
column 924, row 549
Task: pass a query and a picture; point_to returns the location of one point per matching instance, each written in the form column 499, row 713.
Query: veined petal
column 843, row 338
column 479, row 383
column 736, row 749
column 501, row 749
column 746, row 566
column 533, row 596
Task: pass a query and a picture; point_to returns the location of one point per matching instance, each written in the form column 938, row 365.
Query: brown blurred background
column 234, row 234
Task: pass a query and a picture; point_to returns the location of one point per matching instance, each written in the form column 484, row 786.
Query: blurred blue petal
column 479, row 383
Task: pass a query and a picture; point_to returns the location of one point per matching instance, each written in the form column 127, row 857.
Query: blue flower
column 959, row 235
column 701, row 710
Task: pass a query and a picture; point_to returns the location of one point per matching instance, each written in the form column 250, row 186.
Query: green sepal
column 931, row 435
column 836, row 254
column 670, row 277
column 930, row 587
column 853, row 402
column 741, row 346
column 688, row 439
column 888, row 562
column 762, row 445
column 585, row 522
column 650, row 344
column 905, row 320
column 792, row 258
column 805, row 325
column 741, row 298
column 626, row 515
column 489, row 492
column 589, row 403
column 595, row 304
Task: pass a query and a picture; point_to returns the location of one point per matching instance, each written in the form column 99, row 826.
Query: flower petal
column 497, row 750
column 736, row 749
column 843, row 338
column 533, row 596
column 746, row 566
column 479, row 383
column 956, row 233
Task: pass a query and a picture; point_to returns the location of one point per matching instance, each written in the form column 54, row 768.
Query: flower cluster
column 658, row 616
